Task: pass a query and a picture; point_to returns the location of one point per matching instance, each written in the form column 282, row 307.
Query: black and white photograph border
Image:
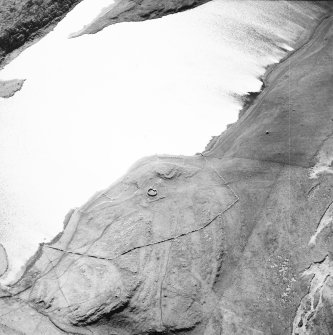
column 166, row 167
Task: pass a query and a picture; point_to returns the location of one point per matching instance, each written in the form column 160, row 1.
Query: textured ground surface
column 237, row 240
column 138, row 10
column 23, row 21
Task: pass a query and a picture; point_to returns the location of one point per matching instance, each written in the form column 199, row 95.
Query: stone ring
column 152, row 192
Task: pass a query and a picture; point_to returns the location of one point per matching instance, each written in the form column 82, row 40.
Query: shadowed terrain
column 137, row 10
column 24, row 21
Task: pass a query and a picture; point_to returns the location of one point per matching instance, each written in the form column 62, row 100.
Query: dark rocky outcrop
column 141, row 10
column 24, row 21
column 236, row 240
column 138, row 10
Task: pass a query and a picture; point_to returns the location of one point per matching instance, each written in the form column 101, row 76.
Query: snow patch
column 325, row 160
column 326, row 220
column 312, row 302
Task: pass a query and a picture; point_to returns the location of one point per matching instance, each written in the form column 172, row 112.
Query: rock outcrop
column 10, row 87
column 141, row 10
column 236, row 240
column 137, row 10
column 24, row 21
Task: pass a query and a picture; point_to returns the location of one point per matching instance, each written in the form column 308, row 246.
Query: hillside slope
column 137, row 10
column 236, row 240
column 23, row 21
